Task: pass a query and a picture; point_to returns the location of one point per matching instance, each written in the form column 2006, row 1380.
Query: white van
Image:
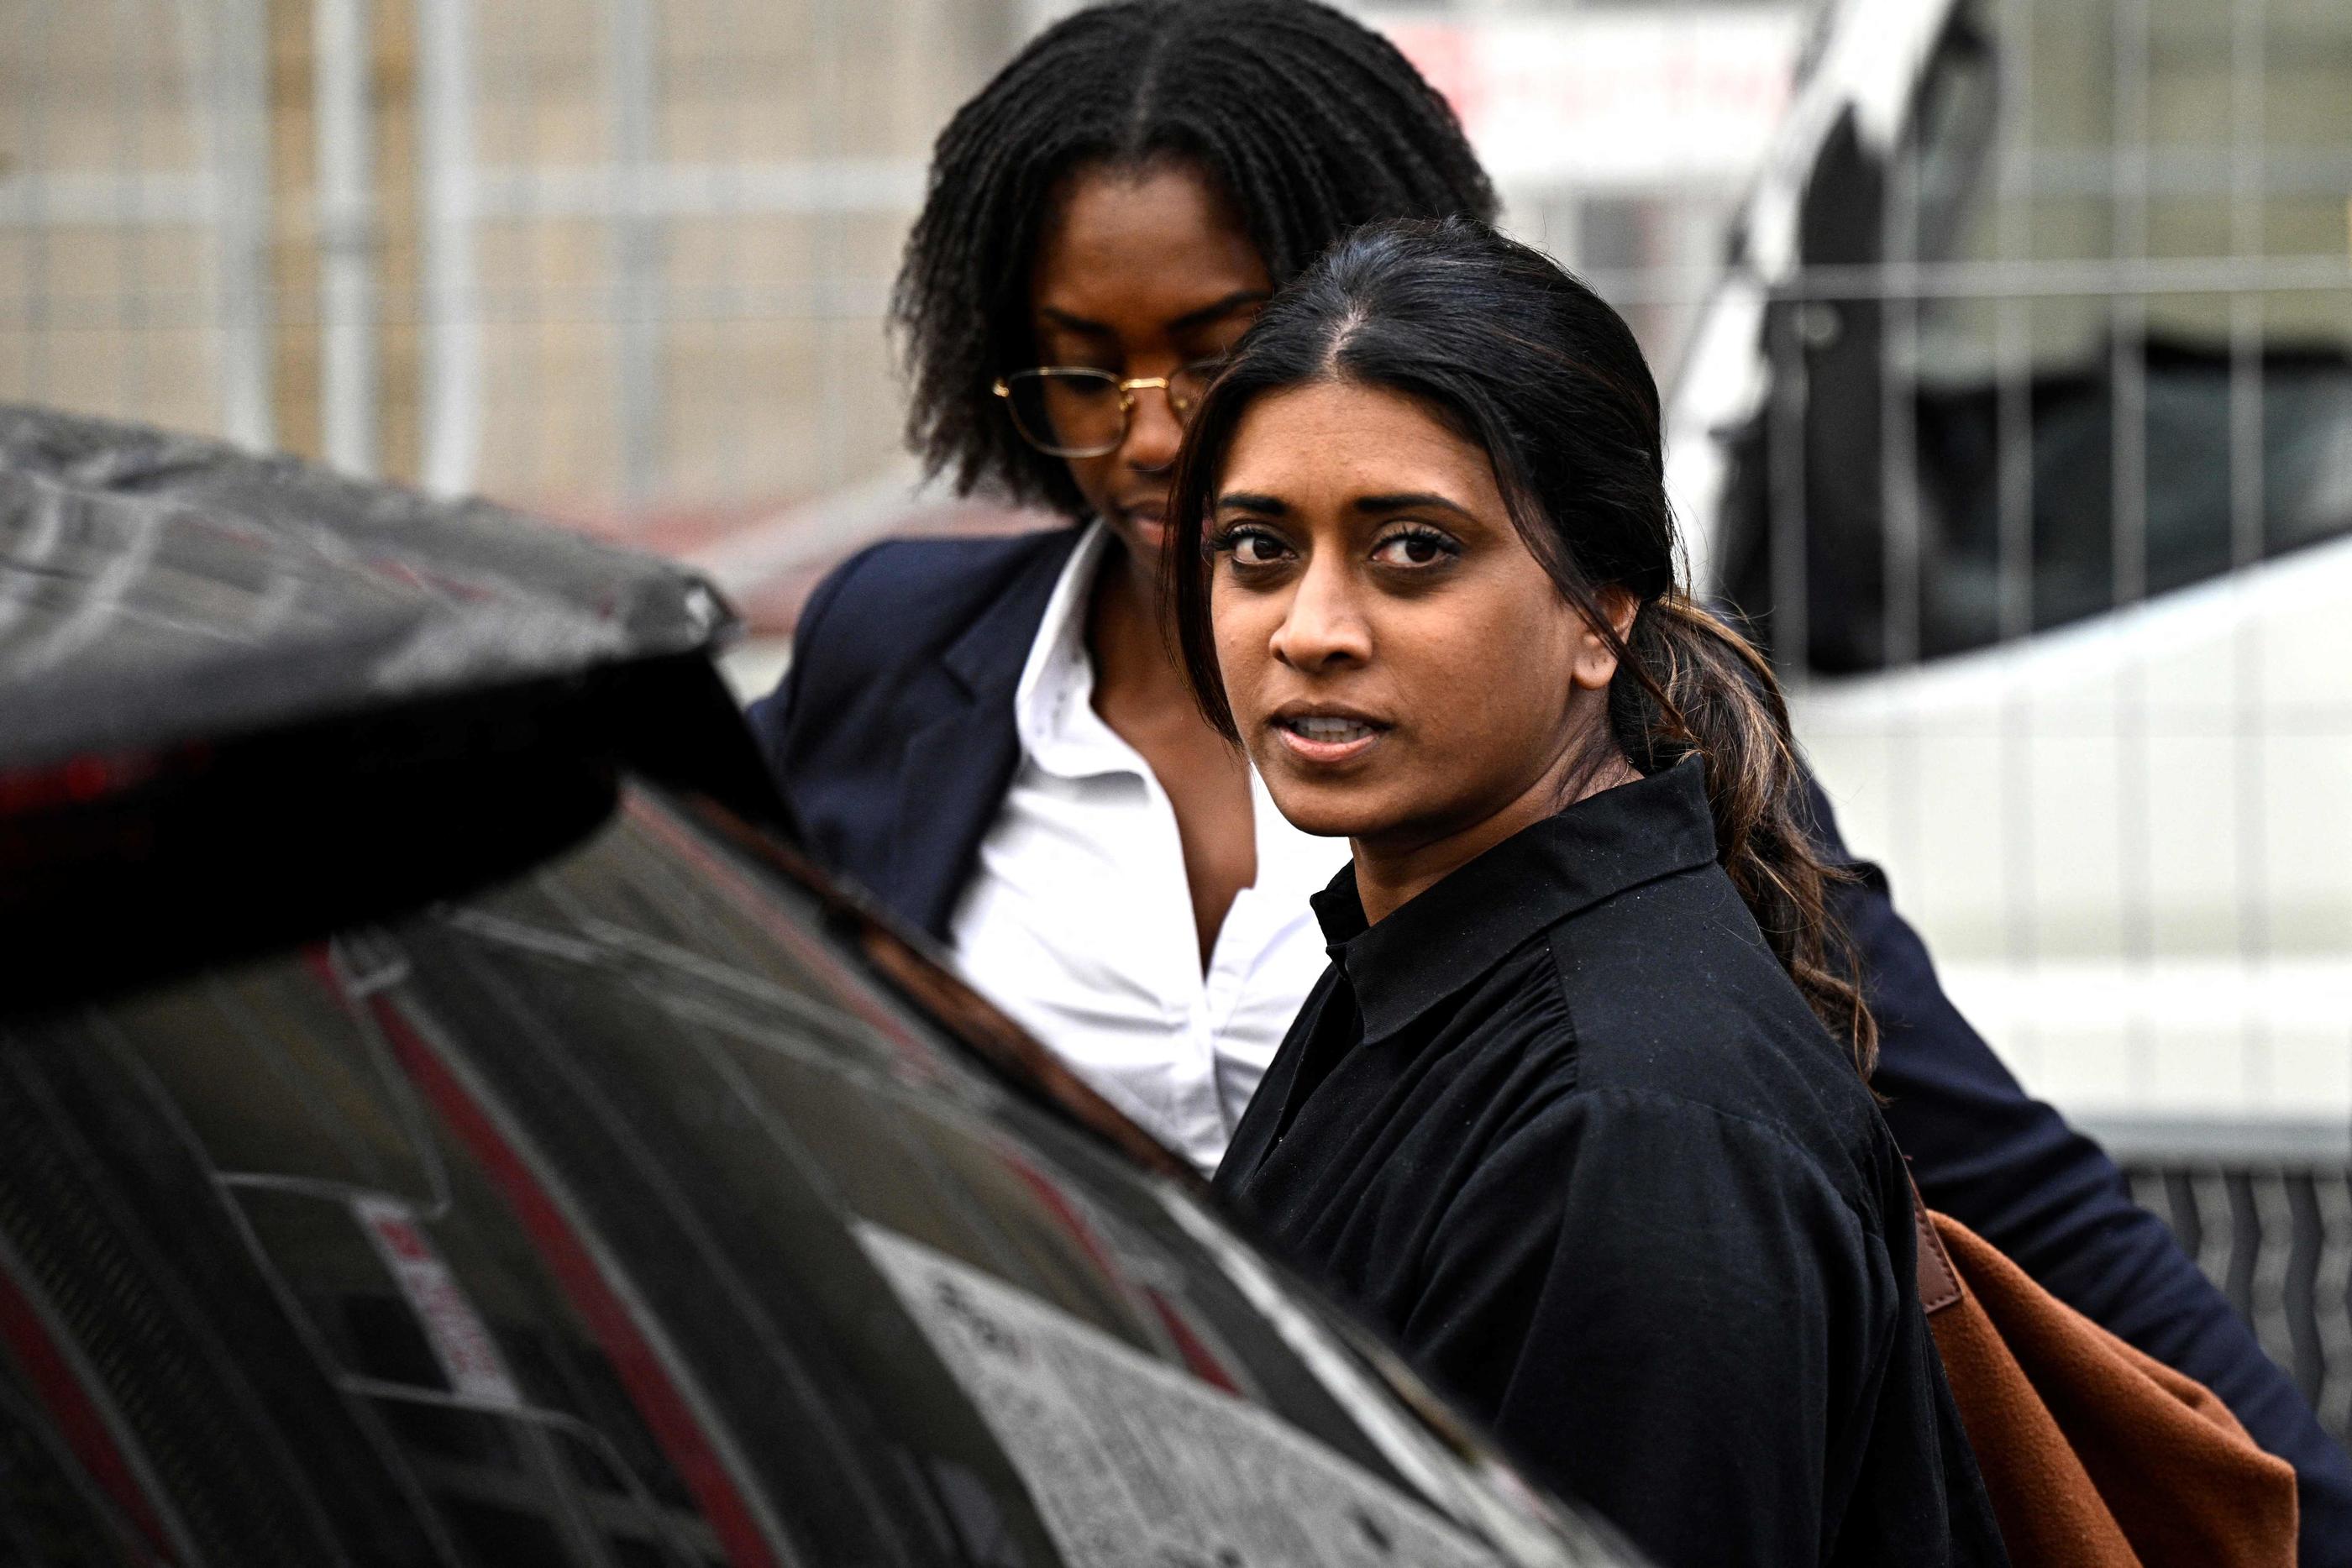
column 2021, row 426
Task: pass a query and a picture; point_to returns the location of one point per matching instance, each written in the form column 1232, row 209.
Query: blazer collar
column 988, row 656
column 956, row 767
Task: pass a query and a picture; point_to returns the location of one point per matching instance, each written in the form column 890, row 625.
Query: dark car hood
column 156, row 588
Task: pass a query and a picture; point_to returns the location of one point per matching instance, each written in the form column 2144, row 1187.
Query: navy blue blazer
column 892, row 734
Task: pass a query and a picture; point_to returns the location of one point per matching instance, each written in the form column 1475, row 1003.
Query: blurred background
column 2009, row 343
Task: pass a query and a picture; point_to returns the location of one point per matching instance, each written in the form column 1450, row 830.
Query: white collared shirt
column 1079, row 921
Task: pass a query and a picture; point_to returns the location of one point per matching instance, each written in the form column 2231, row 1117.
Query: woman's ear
column 1596, row 657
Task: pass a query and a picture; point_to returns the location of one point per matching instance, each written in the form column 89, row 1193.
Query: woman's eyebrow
column 1410, row 501
column 1077, row 324
column 1206, row 316
column 1251, row 501
column 1209, row 314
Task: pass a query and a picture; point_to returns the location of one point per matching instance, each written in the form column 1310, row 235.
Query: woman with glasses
column 994, row 737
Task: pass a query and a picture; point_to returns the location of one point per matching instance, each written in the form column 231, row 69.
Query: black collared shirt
column 1564, row 1128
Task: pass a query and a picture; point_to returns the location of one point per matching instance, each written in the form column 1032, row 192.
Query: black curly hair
column 1309, row 121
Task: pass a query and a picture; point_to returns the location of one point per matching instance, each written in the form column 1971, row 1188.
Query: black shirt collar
column 1449, row 935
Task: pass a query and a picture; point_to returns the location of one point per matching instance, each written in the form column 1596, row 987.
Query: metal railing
column 2266, row 1212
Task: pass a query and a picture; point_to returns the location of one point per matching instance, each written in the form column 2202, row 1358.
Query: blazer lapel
column 958, row 767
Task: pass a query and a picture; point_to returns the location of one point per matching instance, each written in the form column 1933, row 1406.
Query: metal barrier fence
column 2272, row 1228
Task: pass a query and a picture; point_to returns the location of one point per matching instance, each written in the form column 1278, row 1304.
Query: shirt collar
column 1437, row 944
column 1052, row 705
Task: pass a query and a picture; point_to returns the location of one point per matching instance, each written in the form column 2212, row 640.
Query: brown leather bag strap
column 1940, row 1282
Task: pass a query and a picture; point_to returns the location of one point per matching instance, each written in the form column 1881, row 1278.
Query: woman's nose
column 1153, row 432
column 1324, row 625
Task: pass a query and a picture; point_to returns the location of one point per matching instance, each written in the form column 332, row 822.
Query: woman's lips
column 1327, row 739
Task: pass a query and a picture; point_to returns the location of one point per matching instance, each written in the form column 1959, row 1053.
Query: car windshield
column 621, row 1216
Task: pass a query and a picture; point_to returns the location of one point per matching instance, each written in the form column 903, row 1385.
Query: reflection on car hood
column 157, row 588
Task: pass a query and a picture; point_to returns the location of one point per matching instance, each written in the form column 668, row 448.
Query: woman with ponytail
column 1578, row 1112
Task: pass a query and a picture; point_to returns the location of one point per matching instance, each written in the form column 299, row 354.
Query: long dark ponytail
column 1541, row 374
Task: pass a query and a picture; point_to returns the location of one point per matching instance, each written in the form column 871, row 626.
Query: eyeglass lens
column 1075, row 413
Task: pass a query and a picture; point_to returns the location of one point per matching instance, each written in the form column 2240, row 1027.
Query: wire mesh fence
column 618, row 259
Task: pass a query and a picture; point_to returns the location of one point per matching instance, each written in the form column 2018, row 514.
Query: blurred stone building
column 619, row 258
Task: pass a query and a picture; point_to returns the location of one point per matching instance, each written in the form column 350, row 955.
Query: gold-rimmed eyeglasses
column 1069, row 411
